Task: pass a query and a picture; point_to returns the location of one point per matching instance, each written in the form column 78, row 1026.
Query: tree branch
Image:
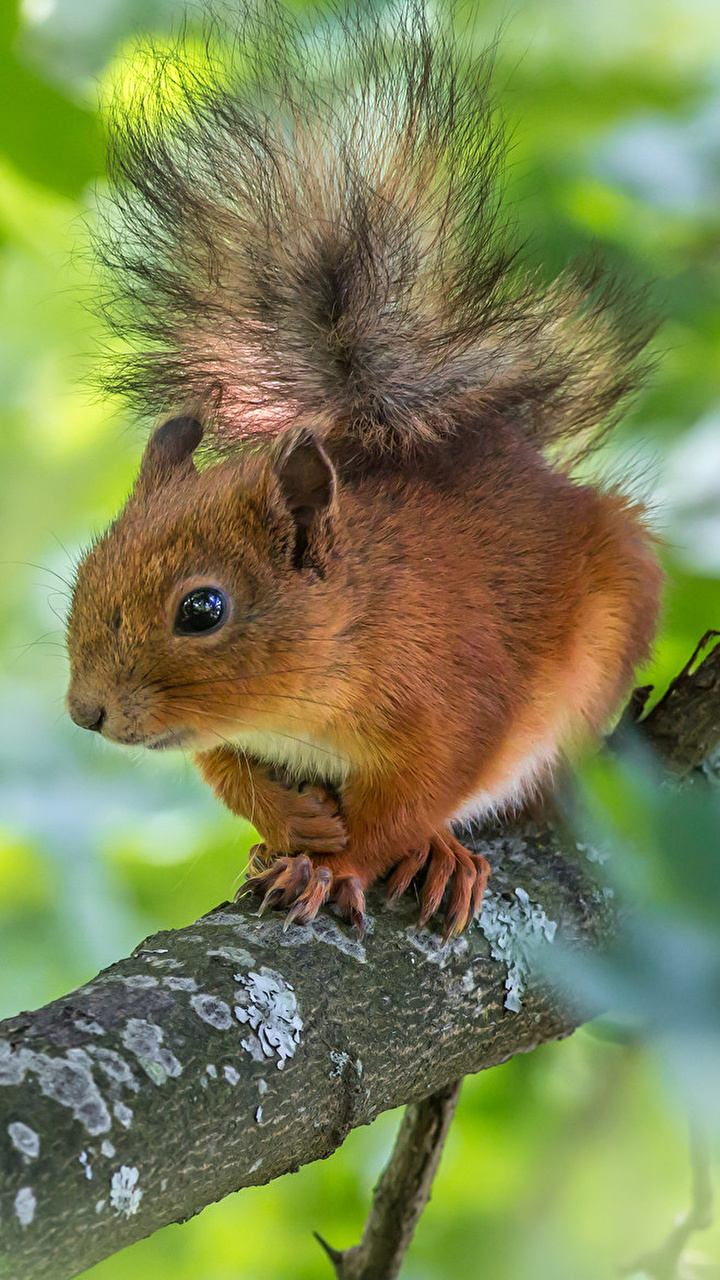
column 227, row 1053
column 402, row 1192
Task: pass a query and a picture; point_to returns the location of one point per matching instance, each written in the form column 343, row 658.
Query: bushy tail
column 308, row 222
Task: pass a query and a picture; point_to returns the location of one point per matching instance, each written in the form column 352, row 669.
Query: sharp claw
column 272, row 892
column 293, row 914
column 253, row 885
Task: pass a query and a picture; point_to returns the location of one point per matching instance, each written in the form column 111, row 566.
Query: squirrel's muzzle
column 88, row 715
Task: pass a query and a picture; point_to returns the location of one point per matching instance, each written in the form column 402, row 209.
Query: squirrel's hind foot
column 446, row 862
column 304, row 885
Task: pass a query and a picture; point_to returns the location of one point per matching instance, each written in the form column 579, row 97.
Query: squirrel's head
column 205, row 608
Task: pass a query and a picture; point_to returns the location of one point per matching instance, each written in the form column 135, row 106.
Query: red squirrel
column 382, row 603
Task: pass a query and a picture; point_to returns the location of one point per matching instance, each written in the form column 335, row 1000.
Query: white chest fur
column 304, row 758
column 512, row 790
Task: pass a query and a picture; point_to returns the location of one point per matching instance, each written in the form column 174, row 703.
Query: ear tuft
column 171, row 446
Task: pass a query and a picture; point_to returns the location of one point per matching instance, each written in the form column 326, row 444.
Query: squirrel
column 357, row 577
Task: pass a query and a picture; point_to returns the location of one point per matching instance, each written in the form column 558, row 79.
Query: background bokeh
column 563, row 1165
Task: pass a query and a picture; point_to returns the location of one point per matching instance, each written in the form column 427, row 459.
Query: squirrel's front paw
column 304, row 884
column 445, row 861
column 302, row 819
column 315, row 824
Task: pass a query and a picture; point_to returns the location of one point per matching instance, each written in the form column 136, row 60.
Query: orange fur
column 458, row 625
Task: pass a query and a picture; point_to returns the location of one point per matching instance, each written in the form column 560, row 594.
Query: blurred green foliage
column 563, row 1165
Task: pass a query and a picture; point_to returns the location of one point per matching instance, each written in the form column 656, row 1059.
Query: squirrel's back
column 306, row 224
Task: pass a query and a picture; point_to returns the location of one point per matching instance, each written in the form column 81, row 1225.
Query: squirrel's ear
column 307, row 482
column 169, row 448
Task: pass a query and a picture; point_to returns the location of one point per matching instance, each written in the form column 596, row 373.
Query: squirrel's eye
column 202, row 610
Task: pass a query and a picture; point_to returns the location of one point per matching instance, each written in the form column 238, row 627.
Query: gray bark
column 227, row 1053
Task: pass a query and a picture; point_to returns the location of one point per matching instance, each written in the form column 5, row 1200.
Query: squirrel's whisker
column 234, row 679
column 42, row 643
column 30, row 564
column 259, row 693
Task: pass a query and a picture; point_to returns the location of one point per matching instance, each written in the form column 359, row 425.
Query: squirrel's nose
column 88, row 716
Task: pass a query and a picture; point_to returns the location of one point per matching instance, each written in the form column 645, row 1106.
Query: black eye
column 201, row 610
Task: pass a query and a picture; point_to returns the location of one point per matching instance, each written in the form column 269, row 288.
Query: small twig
column 664, row 1263
column 402, row 1192
column 684, row 726
column 630, row 717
